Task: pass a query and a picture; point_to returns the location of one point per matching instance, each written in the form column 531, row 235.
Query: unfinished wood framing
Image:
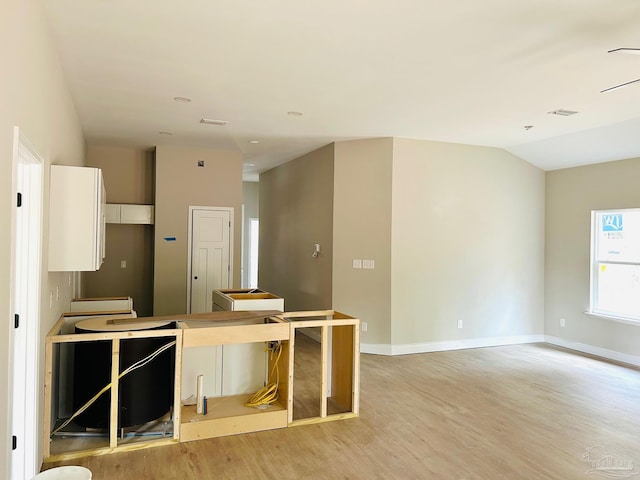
column 340, row 363
column 228, row 415
column 114, row 337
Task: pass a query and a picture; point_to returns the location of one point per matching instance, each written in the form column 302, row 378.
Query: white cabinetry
column 112, row 212
column 76, row 219
column 133, row 214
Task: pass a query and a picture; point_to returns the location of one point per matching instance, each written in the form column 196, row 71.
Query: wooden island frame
column 340, row 373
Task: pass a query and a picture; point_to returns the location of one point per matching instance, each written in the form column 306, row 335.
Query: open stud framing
column 340, row 360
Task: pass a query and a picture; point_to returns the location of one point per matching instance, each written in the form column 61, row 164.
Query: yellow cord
column 269, row 393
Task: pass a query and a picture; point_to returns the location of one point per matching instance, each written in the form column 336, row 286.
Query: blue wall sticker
column 169, row 239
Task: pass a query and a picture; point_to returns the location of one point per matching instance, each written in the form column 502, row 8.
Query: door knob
column 195, row 278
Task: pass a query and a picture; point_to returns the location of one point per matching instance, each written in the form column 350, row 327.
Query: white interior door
column 209, row 269
column 25, row 298
column 210, row 256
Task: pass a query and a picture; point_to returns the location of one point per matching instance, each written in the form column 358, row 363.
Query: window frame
column 595, row 263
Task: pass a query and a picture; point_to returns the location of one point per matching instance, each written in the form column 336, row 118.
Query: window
column 615, row 263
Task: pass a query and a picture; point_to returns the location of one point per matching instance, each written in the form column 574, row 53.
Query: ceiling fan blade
column 611, row 89
column 635, row 51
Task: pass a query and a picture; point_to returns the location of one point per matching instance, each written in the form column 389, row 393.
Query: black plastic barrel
column 144, row 395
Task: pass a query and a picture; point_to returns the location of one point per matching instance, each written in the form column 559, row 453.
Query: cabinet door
column 76, row 218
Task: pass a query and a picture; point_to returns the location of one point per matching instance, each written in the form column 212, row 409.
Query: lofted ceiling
column 466, row 71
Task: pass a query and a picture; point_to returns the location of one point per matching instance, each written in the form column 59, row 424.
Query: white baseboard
column 385, row 349
column 376, row 349
column 597, row 351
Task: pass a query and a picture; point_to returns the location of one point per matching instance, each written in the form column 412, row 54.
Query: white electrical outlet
column 563, row 322
column 459, row 323
column 123, row 264
column 357, row 263
column 363, row 325
column 369, row 264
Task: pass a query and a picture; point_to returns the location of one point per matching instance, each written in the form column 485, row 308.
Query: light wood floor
column 517, row 412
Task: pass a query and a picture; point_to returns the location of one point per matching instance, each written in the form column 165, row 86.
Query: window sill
column 627, row 320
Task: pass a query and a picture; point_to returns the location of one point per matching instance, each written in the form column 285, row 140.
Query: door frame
column 190, row 245
column 251, row 267
column 25, row 295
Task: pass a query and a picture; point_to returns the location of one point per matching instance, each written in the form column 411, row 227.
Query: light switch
column 357, row 263
column 369, row 264
column 123, row 264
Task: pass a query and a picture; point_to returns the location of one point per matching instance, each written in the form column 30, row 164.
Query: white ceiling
column 466, row 71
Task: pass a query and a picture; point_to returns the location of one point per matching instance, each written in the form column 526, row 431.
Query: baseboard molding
column 591, row 350
column 407, row 349
column 386, row 349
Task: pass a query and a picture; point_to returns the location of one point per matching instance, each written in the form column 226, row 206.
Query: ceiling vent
column 562, row 112
column 210, row 121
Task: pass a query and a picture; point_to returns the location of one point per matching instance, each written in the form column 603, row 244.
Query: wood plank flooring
column 515, row 412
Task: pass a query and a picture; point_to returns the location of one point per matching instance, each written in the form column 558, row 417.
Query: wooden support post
column 292, row 349
column 115, row 383
column 283, row 367
column 177, row 407
column 48, row 393
column 356, row 369
column 324, row 346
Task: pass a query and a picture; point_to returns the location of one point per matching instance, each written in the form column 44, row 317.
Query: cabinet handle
column 195, row 278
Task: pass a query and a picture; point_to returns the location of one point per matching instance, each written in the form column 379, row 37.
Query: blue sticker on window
column 612, row 223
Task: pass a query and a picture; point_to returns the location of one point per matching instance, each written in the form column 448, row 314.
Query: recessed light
column 210, row 121
column 562, row 112
column 249, row 164
column 165, row 132
column 295, row 114
column 254, row 141
column 182, row 99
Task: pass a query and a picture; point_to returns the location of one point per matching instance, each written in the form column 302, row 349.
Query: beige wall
column 34, row 96
column 128, row 178
column 250, row 203
column 362, row 230
column 571, row 195
column 467, row 243
column 296, row 211
column 180, row 183
column 128, row 173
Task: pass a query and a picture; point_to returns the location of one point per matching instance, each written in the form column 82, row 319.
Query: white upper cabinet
column 76, row 219
column 133, row 214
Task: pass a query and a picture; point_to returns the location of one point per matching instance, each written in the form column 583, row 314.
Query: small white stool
column 64, row 473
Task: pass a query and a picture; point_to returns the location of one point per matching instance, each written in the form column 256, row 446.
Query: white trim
column 594, row 301
column 190, row 240
column 592, row 350
column 243, row 279
column 376, row 349
column 250, row 267
column 25, row 297
column 614, row 318
column 411, row 348
column 390, row 350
